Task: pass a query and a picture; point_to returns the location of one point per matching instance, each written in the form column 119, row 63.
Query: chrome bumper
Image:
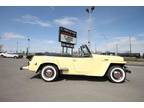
column 126, row 69
column 24, row 68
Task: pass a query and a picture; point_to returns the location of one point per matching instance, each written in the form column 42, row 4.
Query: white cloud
column 49, row 41
column 11, row 35
column 123, row 44
column 140, row 35
column 29, row 19
column 36, row 45
column 44, row 45
column 66, row 21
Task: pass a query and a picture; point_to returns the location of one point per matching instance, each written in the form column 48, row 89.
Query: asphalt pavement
column 25, row 86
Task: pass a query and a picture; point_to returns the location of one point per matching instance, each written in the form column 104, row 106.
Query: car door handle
column 74, row 60
column 105, row 59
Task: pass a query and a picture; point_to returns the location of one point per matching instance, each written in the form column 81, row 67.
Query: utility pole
column 89, row 11
column 28, row 47
column 130, row 44
column 116, row 49
column 17, row 47
column 1, row 48
column 95, row 48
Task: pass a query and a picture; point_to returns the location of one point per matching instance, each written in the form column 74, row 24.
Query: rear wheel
column 49, row 73
column 116, row 74
column 15, row 57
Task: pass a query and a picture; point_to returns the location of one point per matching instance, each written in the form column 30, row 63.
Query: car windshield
column 85, row 51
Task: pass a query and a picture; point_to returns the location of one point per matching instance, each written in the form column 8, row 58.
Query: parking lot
column 17, row 85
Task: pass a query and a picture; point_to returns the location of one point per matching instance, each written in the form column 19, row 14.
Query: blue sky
column 112, row 25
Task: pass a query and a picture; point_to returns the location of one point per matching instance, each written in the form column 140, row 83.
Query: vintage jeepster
column 51, row 66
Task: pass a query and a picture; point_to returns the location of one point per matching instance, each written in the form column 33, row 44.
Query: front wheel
column 49, row 73
column 116, row 74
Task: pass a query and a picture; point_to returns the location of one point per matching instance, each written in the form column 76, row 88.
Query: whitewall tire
column 49, row 73
column 116, row 74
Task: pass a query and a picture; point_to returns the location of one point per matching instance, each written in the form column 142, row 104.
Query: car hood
column 109, row 58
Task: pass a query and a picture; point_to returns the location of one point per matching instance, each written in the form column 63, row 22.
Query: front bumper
column 126, row 69
column 24, row 68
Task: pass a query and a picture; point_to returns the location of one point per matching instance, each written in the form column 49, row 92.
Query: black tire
column 116, row 74
column 15, row 57
column 49, row 73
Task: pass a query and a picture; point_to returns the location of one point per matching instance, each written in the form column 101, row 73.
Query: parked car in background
column 10, row 55
column 1, row 53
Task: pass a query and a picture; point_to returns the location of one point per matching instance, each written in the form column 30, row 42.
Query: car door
column 85, row 65
column 67, row 62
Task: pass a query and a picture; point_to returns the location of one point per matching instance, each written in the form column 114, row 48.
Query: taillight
column 29, row 57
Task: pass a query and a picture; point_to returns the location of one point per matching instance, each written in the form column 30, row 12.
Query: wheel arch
column 44, row 64
column 113, row 64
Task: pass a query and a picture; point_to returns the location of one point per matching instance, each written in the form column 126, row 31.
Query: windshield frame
column 85, row 51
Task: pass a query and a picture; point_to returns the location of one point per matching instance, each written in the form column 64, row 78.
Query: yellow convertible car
column 88, row 64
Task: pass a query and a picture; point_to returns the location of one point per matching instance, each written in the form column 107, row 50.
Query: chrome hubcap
column 117, row 74
column 49, row 73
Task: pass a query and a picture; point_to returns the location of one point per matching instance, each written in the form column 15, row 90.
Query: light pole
column 28, row 47
column 130, row 44
column 89, row 11
column 95, row 49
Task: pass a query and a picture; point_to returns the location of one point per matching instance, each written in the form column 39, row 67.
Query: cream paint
column 96, row 65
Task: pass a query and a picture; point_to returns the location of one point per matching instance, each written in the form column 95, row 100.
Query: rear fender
column 37, row 61
column 45, row 64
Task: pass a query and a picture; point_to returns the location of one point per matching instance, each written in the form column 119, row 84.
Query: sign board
column 67, row 36
column 67, row 45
